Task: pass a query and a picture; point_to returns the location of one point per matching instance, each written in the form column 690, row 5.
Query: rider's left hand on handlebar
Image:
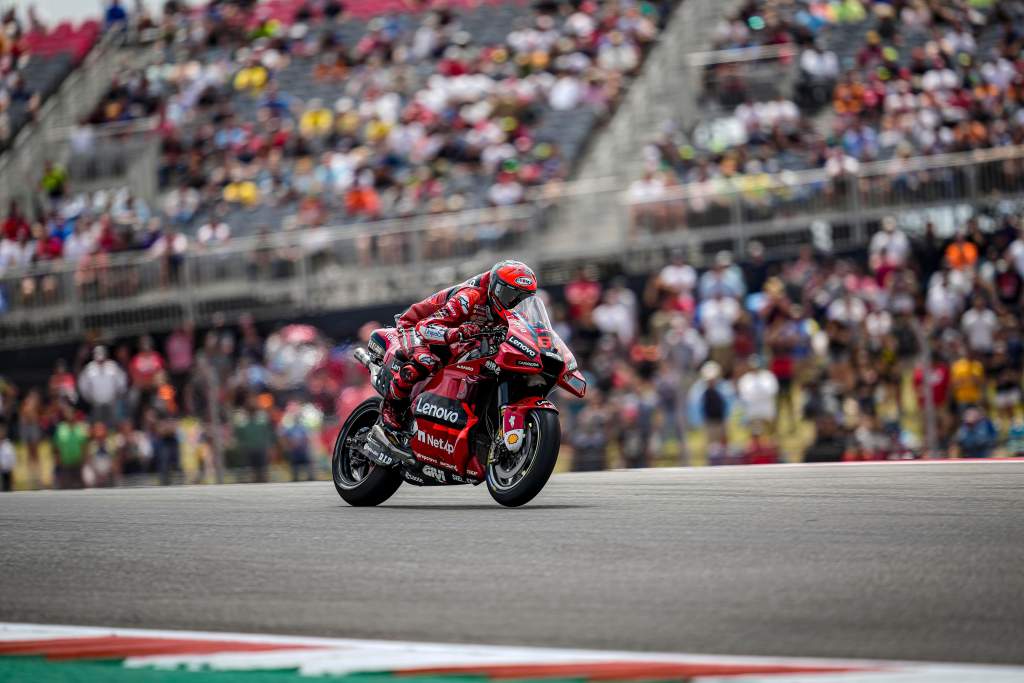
column 468, row 330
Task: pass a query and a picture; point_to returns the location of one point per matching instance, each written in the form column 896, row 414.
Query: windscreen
column 533, row 313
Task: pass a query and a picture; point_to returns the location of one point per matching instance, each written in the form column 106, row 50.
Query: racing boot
column 395, row 425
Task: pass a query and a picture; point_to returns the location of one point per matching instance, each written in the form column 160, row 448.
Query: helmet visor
column 508, row 297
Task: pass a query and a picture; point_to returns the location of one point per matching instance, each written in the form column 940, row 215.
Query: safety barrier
column 330, row 268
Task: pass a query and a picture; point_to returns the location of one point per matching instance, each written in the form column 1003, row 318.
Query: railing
column 730, row 77
column 117, row 154
column 854, row 198
column 330, row 268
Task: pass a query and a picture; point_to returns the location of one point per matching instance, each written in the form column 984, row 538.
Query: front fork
column 512, row 416
column 513, row 421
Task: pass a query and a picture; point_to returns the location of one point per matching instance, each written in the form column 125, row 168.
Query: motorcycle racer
column 433, row 326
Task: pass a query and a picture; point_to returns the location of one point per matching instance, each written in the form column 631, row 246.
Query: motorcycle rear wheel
column 544, row 438
column 359, row 481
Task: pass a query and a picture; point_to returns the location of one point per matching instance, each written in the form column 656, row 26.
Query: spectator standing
column 144, row 368
column 132, row 450
column 99, row 467
column 617, row 315
column 582, row 294
column 591, row 434
column 758, row 391
column 179, row 349
column 718, row 316
column 889, row 247
column 15, row 225
column 829, row 442
column 162, row 433
column 62, row 383
column 70, row 439
column 54, row 182
column 961, row 254
column 253, row 433
column 782, row 339
column 724, row 279
column 976, row 436
column 295, row 441
column 8, row 460
column 637, row 404
column 30, row 428
column 103, row 386
column 1015, row 438
column 761, row 450
column 967, row 381
column 1015, row 252
column 979, row 325
column 712, row 396
column 115, row 15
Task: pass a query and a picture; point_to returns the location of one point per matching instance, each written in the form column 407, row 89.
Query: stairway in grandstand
column 52, row 55
column 66, row 67
column 666, row 89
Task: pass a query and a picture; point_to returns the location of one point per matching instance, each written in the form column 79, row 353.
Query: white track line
column 348, row 655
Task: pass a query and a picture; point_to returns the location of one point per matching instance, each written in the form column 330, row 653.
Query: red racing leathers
column 434, row 323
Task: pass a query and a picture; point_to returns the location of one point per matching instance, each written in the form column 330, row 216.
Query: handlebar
column 491, row 332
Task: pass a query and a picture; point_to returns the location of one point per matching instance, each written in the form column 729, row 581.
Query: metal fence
column 331, row 268
column 727, row 78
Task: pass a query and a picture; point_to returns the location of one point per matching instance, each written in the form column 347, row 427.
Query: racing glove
column 461, row 333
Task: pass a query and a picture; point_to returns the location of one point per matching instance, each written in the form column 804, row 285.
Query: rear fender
column 513, row 419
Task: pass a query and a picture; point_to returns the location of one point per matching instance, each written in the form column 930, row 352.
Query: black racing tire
column 377, row 484
column 547, row 443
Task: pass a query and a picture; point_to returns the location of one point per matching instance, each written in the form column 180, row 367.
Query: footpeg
column 384, row 451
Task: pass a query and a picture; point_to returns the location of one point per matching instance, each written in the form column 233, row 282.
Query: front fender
column 513, row 419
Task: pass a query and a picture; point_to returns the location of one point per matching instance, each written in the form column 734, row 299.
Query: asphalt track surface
column 918, row 561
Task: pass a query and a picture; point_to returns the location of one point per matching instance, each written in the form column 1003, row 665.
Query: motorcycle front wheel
column 359, row 481
column 514, row 479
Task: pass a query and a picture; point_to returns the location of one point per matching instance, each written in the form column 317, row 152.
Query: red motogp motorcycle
column 485, row 417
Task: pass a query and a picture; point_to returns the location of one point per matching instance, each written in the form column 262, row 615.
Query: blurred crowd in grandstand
column 818, row 358
column 319, row 114
column 821, row 355
column 34, row 59
column 140, row 412
column 874, row 81
column 306, row 113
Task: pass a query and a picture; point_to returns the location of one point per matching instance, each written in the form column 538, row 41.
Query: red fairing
column 520, row 352
column 528, row 403
column 574, row 383
column 444, row 413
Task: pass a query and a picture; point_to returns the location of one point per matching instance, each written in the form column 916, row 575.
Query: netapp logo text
column 431, row 440
column 427, row 409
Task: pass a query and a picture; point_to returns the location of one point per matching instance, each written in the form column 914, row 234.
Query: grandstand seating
column 486, row 24
column 48, row 56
